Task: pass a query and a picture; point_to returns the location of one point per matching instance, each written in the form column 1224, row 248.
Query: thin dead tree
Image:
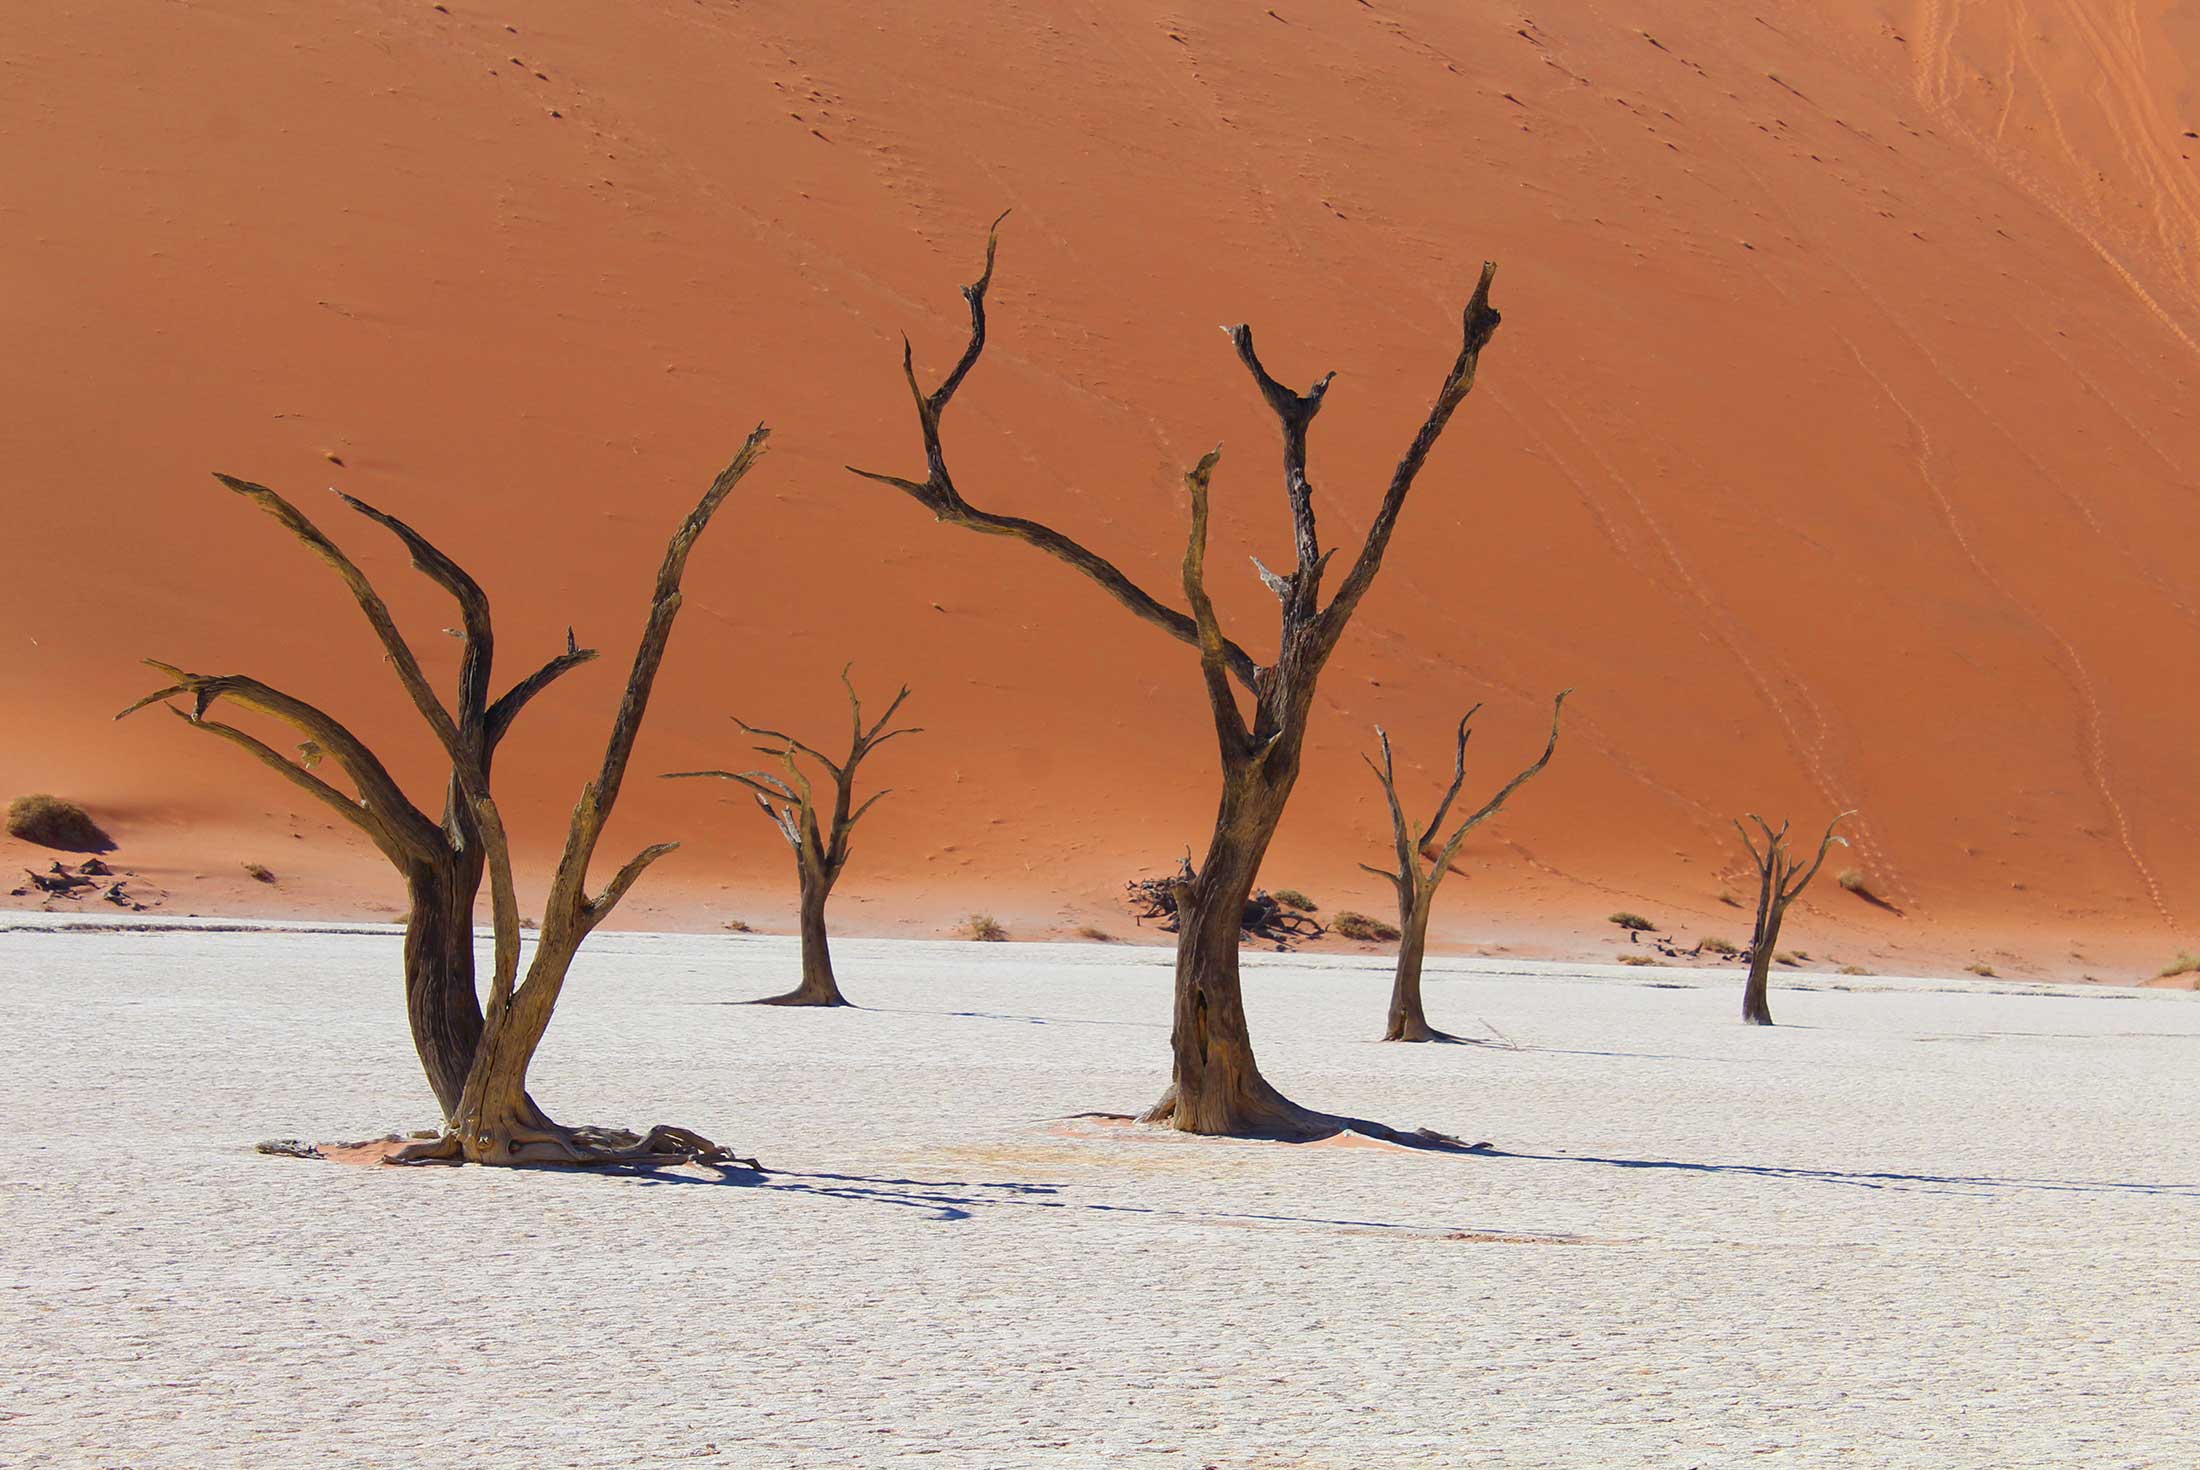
column 1777, row 886
column 1416, row 883
column 820, row 848
column 489, row 1117
column 1216, row 1086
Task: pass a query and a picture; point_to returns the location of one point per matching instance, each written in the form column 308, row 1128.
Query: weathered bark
column 821, row 848
column 1216, row 1085
column 1416, row 884
column 496, row 1122
column 1408, row 1018
column 1777, row 887
column 440, row 1001
column 475, row 1058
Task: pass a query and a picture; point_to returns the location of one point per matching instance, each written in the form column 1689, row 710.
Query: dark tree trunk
column 440, row 999
column 1216, row 1085
column 818, row 987
column 1756, row 993
column 1408, row 1021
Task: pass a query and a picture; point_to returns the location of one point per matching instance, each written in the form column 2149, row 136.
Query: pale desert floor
column 1921, row 1224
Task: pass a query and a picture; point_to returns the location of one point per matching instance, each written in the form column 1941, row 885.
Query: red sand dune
column 1838, row 445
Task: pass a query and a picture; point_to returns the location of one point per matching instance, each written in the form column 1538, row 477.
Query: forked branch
column 937, row 491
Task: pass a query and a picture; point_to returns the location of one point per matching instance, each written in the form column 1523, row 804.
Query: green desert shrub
column 1291, row 898
column 985, row 927
column 1349, row 925
column 53, row 822
column 1632, row 921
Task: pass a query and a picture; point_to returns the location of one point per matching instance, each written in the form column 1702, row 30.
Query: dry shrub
column 1291, row 898
column 1636, row 959
column 1096, row 934
column 1854, row 970
column 985, row 927
column 2184, row 964
column 1633, row 921
column 1980, row 967
column 1359, row 926
column 259, row 872
column 1724, row 948
column 51, row 821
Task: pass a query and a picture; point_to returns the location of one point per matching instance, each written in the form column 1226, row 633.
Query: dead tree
column 488, row 1115
column 1216, row 1086
column 1416, row 884
column 1777, row 887
column 820, row 848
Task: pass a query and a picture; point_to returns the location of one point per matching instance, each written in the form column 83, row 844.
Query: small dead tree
column 1216, row 1086
column 1777, row 886
column 1416, row 884
column 820, row 848
column 489, row 1116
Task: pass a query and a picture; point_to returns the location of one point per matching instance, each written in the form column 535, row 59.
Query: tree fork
column 821, row 849
column 1777, row 887
column 1216, row 1084
column 1416, row 885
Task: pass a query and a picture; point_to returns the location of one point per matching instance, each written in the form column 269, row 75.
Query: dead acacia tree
column 1416, row 884
column 820, row 848
column 1216, row 1086
column 1777, row 887
column 488, row 1115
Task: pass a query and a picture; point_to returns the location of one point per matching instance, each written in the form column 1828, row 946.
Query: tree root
column 802, row 997
column 557, row 1146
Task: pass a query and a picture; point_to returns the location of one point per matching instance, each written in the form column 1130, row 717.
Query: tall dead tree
column 489, row 1116
column 820, row 848
column 1777, row 887
column 1216, row 1085
column 1416, row 883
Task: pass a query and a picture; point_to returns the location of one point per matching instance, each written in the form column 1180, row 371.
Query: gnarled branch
column 937, row 491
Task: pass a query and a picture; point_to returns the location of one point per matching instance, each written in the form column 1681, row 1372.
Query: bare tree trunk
column 818, row 987
column 1408, row 1021
column 440, row 1000
column 1216, row 1085
column 1756, row 992
column 1781, row 876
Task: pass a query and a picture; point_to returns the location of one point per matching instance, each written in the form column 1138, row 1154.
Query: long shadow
column 950, row 1200
column 1869, row 1179
column 1027, row 1020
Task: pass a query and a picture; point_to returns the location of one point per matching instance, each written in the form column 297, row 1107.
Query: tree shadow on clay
column 1974, row 1184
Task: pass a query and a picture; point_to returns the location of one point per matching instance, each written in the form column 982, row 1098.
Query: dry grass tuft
column 1980, row 967
column 1633, row 921
column 1725, row 948
column 1349, row 925
column 1096, row 934
column 737, row 926
column 1636, row 959
column 51, row 821
column 1291, row 898
column 260, row 872
column 985, row 927
column 2184, row 964
column 1854, row 970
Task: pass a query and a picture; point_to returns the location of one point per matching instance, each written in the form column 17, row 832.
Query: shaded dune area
column 1837, row 447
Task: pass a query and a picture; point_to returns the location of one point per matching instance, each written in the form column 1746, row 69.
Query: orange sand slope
column 1837, row 446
